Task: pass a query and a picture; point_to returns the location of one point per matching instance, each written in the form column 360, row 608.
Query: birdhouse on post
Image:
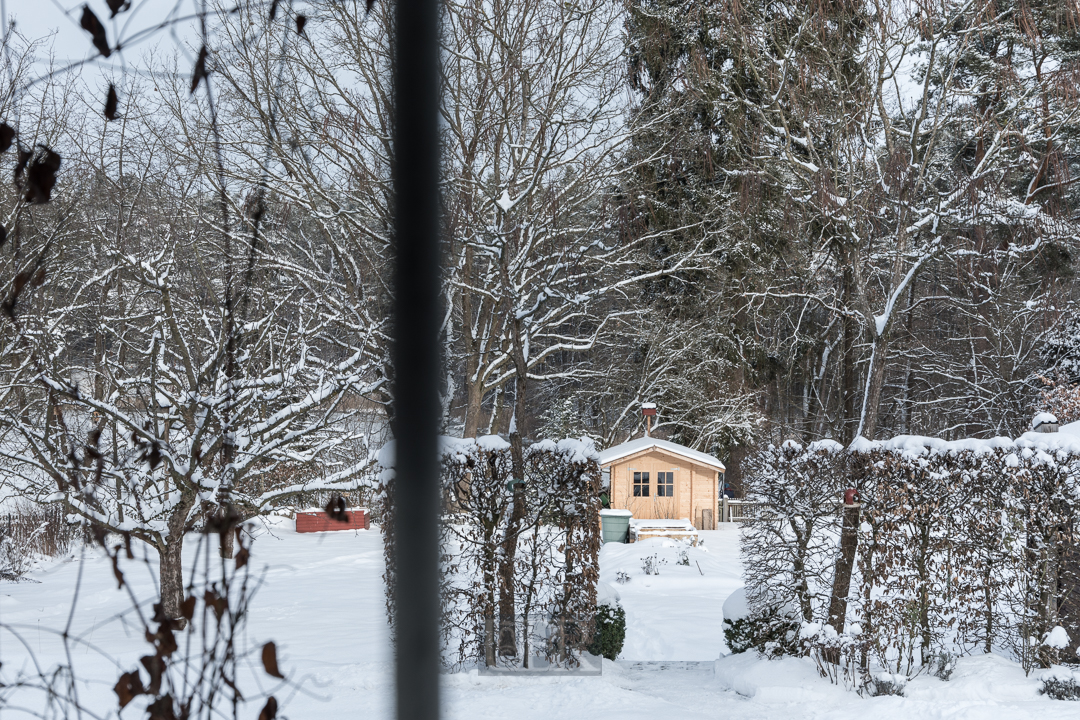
column 649, row 411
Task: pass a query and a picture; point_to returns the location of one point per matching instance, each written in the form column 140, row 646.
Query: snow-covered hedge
column 788, row 549
column 963, row 546
column 519, row 559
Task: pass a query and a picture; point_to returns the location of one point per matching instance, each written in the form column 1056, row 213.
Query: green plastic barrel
column 614, row 525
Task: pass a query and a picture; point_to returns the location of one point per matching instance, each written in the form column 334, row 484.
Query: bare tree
column 127, row 407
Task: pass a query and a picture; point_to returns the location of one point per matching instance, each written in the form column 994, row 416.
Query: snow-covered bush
column 651, row 566
column 1061, row 685
column 942, row 665
column 1047, row 497
column 771, row 631
column 520, row 559
column 839, row 656
column 1061, row 397
column 918, row 569
column 886, row 684
column 610, row 631
column 963, row 547
column 788, row 546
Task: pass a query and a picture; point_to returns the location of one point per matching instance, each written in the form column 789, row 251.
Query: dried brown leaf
column 118, row 6
column 117, row 572
column 111, row 104
column 216, row 602
column 20, row 165
column 269, row 711
column 162, row 709
column 128, row 687
column 187, row 607
column 199, row 72
column 155, row 667
column 41, row 175
column 92, row 25
column 164, row 640
column 269, row 660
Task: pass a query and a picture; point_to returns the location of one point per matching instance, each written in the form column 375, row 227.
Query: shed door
column 665, row 483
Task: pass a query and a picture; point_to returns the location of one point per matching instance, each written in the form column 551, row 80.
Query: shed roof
column 645, row 443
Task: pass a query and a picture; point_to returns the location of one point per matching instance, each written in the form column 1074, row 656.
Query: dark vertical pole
column 416, row 355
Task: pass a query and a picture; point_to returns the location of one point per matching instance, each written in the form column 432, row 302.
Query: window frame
column 665, row 484
column 640, row 482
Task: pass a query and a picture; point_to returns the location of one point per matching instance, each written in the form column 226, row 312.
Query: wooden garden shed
column 660, row 480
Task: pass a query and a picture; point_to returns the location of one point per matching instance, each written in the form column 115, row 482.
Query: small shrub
column 772, row 633
column 684, row 558
column 1061, row 687
column 651, row 565
column 621, row 577
column 942, row 665
column 886, row 684
column 610, row 632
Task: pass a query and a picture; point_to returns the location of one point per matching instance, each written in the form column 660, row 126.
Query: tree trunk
column 868, row 615
column 923, row 573
column 495, row 419
column 507, row 619
column 474, row 397
column 474, row 384
column 802, row 585
column 849, row 331
column 849, row 545
column 171, row 569
column 171, row 575
column 875, row 383
column 228, row 541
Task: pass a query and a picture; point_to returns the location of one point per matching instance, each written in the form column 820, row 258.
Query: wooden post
column 706, row 520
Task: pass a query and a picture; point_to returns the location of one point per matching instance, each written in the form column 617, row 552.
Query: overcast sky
column 56, row 23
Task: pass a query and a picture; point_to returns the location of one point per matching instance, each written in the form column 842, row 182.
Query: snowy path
column 322, row 602
column 675, row 615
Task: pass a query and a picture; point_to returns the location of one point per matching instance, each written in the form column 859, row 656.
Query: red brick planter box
column 319, row 521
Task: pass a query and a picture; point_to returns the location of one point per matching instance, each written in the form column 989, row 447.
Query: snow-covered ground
column 322, row 603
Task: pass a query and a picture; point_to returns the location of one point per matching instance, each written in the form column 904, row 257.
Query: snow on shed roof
column 635, row 446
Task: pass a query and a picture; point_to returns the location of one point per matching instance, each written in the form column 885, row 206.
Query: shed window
column 641, row 484
column 665, row 484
